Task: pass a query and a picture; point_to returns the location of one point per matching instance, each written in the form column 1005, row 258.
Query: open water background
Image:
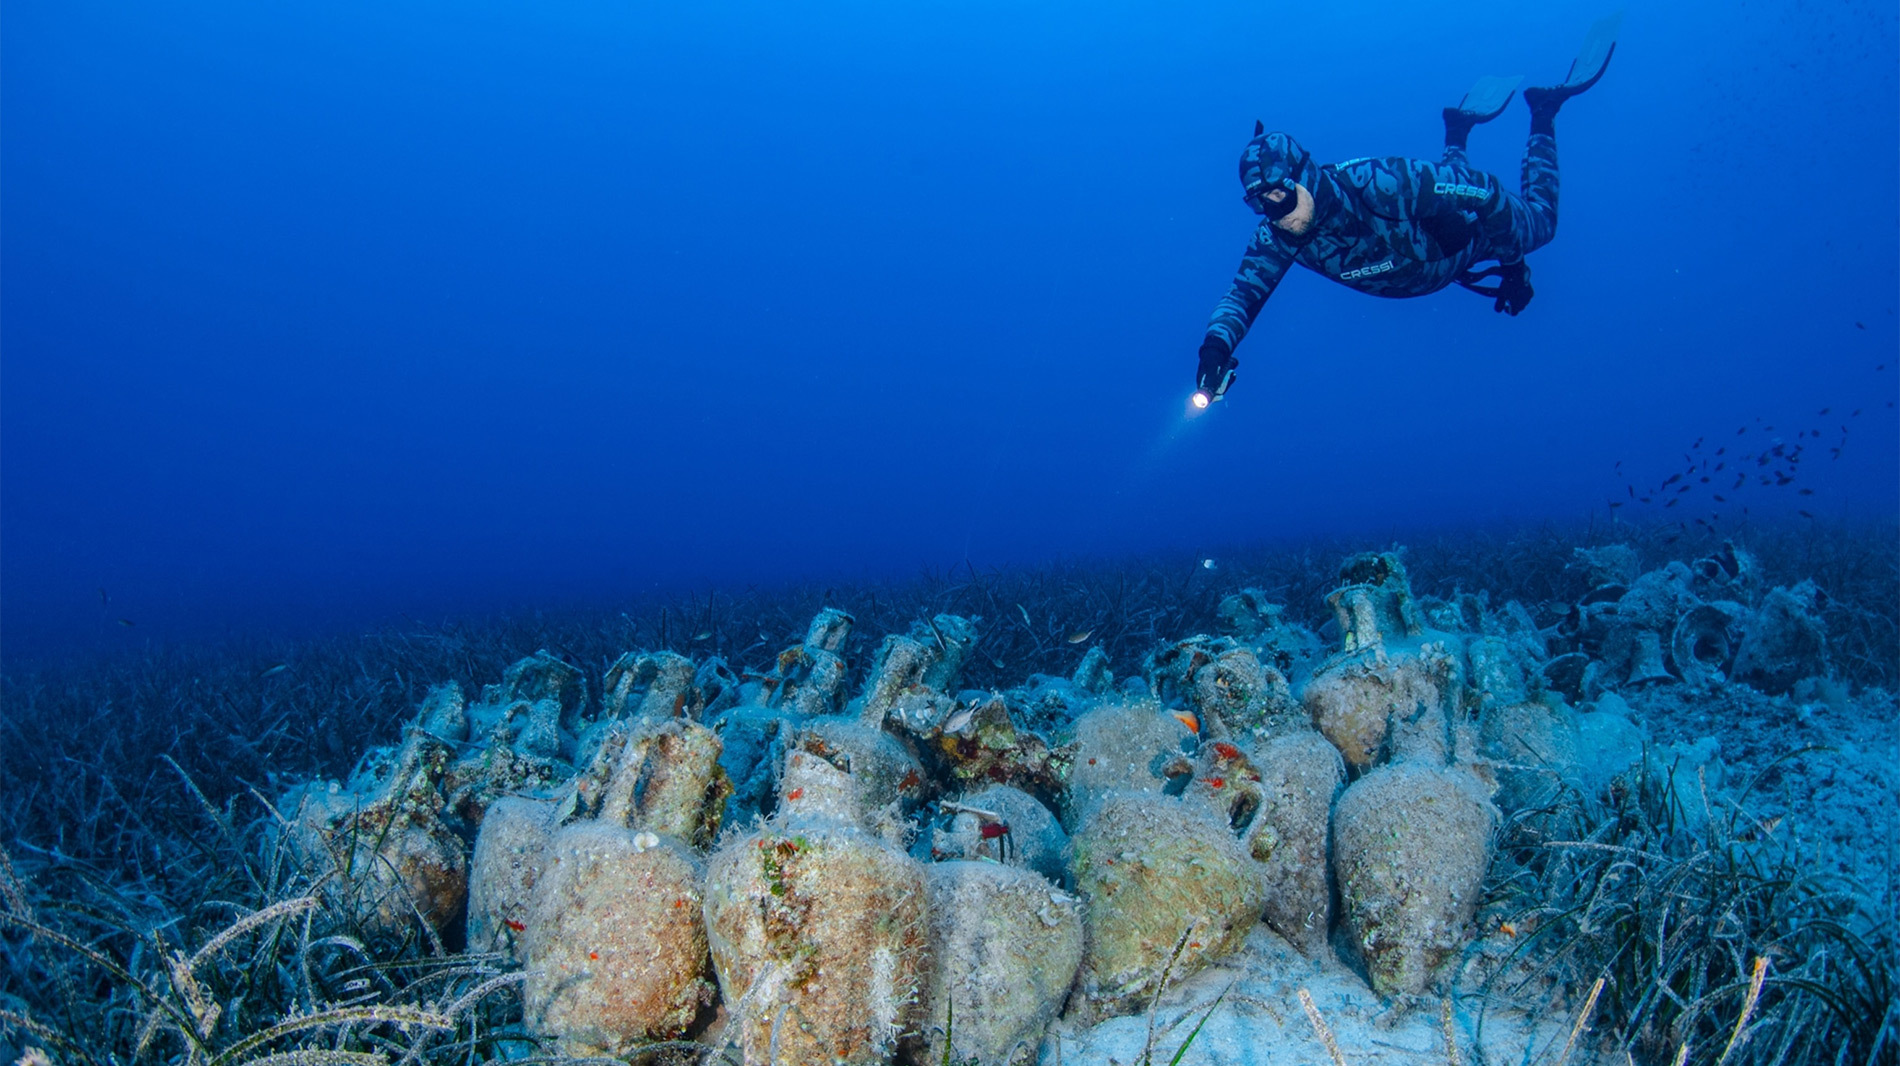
column 319, row 313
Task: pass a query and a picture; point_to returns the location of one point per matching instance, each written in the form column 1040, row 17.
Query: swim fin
column 1583, row 73
column 1592, row 60
column 1488, row 97
column 1486, row 101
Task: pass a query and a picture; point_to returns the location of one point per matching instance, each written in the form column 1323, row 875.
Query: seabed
column 1596, row 795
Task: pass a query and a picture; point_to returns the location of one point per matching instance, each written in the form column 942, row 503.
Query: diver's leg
column 1523, row 223
column 1455, row 156
column 1538, row 192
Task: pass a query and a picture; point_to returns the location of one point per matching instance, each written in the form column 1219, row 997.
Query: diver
column 1399, row 227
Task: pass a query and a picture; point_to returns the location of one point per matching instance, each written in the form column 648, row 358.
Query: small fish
column 1673, row 478
column 1721, row 451
column 645, row 841
column 1507, row 928
column 1187, row 718
column 1805, row 514
column 1209, row 564
column 1721, row 499
column 105, row 599
column 516, row 926
column 1825, row 410
column 992, row 830
column 1614, row 504
column 1860, row 325
column 1080, row 635
column 273, row 671
column 703, row 635
column 1673, row 502
column 1806, row 492
column 127, row 623
column 957, row 721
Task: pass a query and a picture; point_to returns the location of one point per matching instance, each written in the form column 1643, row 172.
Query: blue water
column 332, row 311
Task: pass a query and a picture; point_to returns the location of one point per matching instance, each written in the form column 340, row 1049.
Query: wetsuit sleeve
column 1260, row 272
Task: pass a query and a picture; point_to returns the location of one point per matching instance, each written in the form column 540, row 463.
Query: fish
column 702, row 636
column 127, row 622
column 1805, row 514
column 1188, row 718
column 1209, row 564
column 1673, row 478
column 1721, row 499
column 1080, row 635
column 273, row 671
column 105, row 599
column 1806, row 492
column 1825, row 410
column 1860, row 325
column 1673, row 502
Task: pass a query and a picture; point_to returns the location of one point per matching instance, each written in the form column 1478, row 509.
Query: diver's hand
column 1216, row 373
column 1514, row 288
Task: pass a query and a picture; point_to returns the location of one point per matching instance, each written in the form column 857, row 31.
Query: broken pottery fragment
column 1785, row 641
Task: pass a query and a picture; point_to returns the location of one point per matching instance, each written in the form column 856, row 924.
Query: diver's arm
column 1260, row 272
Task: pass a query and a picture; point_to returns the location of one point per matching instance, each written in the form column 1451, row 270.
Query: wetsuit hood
column 1275, row 160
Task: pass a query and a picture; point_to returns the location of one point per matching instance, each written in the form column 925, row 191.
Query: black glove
column 1514, row 288
column 1216, row 374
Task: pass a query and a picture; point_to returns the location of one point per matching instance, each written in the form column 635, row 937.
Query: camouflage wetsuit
column 1398, row 227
